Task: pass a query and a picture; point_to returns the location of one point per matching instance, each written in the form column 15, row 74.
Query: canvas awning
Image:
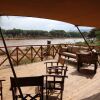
column 78, row 12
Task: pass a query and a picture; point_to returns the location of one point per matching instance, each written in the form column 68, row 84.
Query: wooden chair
column 55, row 67
column 88, row 58
column 1, row 92
column 27, row 82
column 55, row 85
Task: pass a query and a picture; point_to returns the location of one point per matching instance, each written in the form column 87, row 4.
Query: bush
column 98, row 35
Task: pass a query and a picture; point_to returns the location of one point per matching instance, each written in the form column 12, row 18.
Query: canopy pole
column 12, row 68
column 83, row 37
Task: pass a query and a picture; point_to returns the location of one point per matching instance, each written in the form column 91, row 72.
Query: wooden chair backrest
column 88, row 57
column 61, row 60
column 24, row 82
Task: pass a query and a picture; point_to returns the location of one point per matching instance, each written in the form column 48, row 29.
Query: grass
column 25, row 61
column 95, row 43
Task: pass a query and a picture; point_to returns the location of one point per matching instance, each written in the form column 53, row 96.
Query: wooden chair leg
column 78, row 67
column 1, row 95
column 95, row 68
column 1, row 90
column 61, row 95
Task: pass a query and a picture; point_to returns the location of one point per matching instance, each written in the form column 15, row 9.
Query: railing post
column 53, row 52
column 31, row 54
column 41, row 53
column 48, row 47
column 17, row 55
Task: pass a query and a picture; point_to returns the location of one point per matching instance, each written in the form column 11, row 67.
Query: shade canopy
column 78, row 12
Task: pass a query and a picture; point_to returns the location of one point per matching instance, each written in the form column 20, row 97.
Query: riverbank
column 39, row 38
column 19, row 42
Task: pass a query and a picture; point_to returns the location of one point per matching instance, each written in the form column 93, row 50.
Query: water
column 39, row 41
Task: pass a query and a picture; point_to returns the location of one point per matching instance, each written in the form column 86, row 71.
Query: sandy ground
column 21, row 71
column 78, row 86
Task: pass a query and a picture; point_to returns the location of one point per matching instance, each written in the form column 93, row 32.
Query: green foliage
column 97, row 43
column 97, row 35
column 18, row 33
column 57, row 33
column 92, row 34
column 74, row 34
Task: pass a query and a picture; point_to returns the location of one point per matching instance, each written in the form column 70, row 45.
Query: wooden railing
column 31, row 53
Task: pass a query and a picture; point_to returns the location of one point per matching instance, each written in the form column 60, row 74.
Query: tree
column 74, row 34
column 57, row 33
column 97, row 35
column 92, row 33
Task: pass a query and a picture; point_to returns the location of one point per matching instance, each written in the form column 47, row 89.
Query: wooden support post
column 53, row 52
column 48, row 47
column 12, row 68
column 31, row 54
column 41, row 53
column 17, row 55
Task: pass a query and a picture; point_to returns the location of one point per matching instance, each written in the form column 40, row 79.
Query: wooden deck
column 78, row 86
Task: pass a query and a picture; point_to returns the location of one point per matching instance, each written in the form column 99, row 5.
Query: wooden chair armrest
column 2, row 80
column 50, row 62
column 58, row 76
column 57, row 67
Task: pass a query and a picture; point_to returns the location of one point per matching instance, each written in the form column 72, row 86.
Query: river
column 40, row 41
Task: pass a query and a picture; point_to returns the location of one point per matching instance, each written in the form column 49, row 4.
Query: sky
column 31, row 23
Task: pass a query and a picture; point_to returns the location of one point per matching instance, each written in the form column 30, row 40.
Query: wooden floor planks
column 78, row 86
